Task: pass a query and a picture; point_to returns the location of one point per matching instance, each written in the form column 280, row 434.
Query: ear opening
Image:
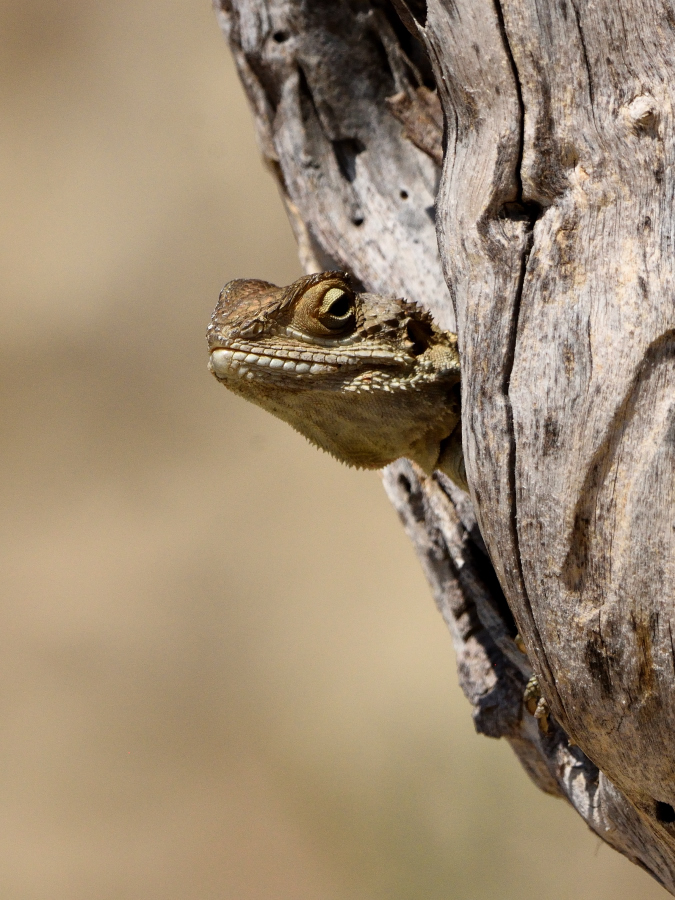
column 419, row 334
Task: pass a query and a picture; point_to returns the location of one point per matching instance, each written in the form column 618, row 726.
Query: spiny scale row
column 352, row 357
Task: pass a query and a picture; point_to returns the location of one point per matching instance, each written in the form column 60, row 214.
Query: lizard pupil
column 339, row 307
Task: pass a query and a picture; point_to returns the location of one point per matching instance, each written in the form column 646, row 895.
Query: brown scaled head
column 354, row 372
column 317, row 306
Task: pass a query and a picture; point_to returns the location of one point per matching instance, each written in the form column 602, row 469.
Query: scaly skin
column 366, row 378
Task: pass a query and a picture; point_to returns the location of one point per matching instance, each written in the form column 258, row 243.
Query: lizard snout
column 220, row 362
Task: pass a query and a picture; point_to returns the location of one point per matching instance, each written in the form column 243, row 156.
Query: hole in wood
column 419, row 10
column 280, row 36
column 403, row 20
column 521, row 212
column 405, row 484
column 404, row 195
column 346, row 151
column 665, row 812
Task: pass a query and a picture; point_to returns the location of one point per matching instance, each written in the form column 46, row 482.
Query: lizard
column 365, row 377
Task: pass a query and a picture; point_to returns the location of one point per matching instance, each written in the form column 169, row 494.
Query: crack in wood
column 505, row 278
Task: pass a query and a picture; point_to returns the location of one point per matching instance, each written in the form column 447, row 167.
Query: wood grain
column 554, row 218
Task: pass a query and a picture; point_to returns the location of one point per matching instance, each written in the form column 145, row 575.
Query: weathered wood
column 440, row 521
column 555, row 226
column 569, row 441
column 317, row 77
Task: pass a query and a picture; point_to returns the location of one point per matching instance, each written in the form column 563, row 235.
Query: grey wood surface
column 553, row 214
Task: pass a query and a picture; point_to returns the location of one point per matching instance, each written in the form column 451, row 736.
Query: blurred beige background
column 222, row 675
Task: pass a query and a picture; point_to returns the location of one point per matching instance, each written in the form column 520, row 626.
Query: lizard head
column 365, row 377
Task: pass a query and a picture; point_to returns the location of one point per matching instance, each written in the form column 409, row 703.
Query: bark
column 508, row 164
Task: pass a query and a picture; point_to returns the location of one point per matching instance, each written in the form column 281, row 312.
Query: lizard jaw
column 225, row 363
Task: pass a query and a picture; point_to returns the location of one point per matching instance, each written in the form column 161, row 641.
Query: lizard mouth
column 225, row 363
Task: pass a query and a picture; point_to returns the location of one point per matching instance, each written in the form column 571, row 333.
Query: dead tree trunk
column 532, row 142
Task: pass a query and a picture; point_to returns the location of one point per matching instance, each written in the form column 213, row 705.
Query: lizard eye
column 327, row 309
column 336, row 310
